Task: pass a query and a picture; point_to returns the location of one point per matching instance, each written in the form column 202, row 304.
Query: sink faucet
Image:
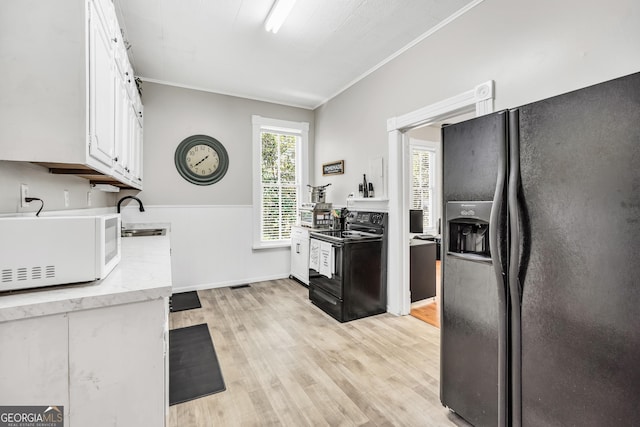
column 130, row 197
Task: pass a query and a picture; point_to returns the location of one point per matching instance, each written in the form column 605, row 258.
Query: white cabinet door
column 33, row 362
column 136, row 167
column 300, row 254
column 117, row 365
column 123, row 105
column 101, row 89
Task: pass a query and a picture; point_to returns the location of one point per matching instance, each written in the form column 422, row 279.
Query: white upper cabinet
column 122, row 127
column 68, row 91
column 101, row 88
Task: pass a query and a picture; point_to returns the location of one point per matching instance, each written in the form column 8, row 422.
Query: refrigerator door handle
column 494, row 226
column 515, row 290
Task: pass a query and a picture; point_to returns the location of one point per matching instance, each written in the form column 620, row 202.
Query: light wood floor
column 430, row 312
column 287, row 363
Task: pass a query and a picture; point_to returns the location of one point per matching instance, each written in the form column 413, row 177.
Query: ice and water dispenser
column 468, row 228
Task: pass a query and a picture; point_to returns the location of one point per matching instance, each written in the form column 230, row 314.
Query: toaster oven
column 315, row 215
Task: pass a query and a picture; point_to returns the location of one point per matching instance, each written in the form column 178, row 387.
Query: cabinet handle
column 115, row 39
column 115, row 159
column 297, row 248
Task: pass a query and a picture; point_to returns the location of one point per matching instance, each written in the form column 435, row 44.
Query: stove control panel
column 366, row 218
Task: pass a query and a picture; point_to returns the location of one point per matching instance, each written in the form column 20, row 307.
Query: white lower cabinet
column 116, row 365
column 300, row 254
column 33, row 362
column 106, row 366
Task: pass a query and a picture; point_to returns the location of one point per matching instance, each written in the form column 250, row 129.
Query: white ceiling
column 323, row 47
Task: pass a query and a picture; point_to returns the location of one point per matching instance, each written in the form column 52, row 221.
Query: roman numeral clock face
column 201, row 160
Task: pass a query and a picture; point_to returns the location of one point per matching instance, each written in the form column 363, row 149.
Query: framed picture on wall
column 333, row 168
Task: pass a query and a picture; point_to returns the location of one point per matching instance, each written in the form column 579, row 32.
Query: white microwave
column 57, row 250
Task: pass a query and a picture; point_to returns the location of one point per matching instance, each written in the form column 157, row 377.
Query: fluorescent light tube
column 278, row 14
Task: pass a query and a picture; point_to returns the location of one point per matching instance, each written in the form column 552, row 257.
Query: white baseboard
column 204, row 286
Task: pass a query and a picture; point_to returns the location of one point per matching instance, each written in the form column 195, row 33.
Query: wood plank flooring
column 430, row 311
column 287, row 363
column 427, row 313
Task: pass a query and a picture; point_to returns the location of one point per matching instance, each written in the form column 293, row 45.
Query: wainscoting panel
column 211, row 246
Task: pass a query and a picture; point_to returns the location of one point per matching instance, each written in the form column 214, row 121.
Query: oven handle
column 322, row 238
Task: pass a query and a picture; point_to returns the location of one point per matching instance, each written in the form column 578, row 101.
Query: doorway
column 425, row 218
column 477, row 101
column 424, row 190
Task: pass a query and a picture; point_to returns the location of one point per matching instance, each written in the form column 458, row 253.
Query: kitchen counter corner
column 144, row 273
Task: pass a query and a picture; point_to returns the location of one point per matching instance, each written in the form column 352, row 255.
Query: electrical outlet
column 66, row 198
column 24, row 193
column 88, row 198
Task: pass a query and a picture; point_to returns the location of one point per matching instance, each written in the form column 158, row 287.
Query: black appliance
column 357, row 286
column 540, row 295
column 416, row 221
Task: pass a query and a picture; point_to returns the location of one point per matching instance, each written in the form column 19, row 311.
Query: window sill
column 274, row 245
column 368, row 199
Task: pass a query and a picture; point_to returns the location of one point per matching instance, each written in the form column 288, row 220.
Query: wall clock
column 201, row 160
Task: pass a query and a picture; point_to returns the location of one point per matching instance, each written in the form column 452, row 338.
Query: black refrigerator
column 541, row 262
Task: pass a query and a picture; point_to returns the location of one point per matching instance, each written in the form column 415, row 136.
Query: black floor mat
column 184, row 301
column 193, row 366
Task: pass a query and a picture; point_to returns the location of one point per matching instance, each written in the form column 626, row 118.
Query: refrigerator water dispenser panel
column 468, row 229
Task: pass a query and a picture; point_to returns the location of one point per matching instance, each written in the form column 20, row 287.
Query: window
column 423, row 185
column 280, row 174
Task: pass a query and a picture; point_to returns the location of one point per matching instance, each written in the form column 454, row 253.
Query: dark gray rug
column 184, row 301
column 193, row 366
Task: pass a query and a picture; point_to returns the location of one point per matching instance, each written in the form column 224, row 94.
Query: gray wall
column 210, row 225
column 172, row 114
column 532, row 50
column 46, row 186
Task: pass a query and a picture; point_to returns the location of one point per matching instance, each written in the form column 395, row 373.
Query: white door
column 101, row 90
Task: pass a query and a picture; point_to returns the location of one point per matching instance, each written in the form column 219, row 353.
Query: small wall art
column 333, row 168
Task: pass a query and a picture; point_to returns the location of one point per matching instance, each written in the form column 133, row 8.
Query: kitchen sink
column 143, row 232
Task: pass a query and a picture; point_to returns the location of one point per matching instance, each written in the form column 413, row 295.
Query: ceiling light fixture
column 278, row 14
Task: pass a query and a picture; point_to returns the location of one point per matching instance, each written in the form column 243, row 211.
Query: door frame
column 480, row 99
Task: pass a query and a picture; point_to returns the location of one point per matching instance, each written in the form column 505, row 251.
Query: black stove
column 358, row 226
column 350, row 281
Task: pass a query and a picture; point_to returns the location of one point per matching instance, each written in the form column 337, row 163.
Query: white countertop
column 144, row 273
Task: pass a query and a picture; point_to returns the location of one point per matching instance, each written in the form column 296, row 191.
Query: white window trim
column 300, row 129
column 436, row 201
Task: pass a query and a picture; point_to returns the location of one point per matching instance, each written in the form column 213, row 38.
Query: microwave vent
column 7, row 275
column 22, row 274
